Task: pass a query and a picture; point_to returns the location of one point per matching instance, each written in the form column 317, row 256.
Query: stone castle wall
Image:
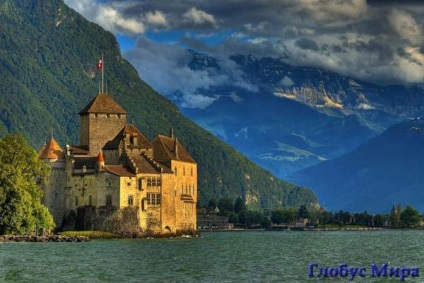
column 97, row 129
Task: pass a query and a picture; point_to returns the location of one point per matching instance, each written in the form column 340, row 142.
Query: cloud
column 199, row 17
column 375, row 41
column 165, row 68
column 331, row 10
column 307, row 43
column 405, row 26
column 156, row 18
column 109, row 15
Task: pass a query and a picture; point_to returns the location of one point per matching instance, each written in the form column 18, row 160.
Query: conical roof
column 103, row 103
column 100, row 158
column 51, row 150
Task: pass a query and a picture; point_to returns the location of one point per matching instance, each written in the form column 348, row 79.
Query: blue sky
column 374, row 41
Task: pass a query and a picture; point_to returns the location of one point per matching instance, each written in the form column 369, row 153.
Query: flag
column 100, row 64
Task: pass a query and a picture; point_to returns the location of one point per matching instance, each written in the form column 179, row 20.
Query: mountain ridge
column 319, row 115
column 385, row 170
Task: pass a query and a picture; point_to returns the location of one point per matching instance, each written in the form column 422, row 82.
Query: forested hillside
column 48, row 55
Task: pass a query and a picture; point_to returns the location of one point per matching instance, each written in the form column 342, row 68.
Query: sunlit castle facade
column 114, row 167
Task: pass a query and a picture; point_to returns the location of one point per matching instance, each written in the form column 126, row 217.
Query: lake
column 265, row 256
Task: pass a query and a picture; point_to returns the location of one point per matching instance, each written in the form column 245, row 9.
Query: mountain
column 48, row 55
column 294, row 117
column 387, row 169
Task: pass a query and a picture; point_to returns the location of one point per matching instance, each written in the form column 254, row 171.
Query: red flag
column 100, row 64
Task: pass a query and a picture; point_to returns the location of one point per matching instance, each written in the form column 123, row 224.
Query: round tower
column 54, row 188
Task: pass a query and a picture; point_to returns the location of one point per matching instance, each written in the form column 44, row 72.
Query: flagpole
column 103, row 73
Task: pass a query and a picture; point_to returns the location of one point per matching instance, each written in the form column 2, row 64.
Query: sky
column 378, row 41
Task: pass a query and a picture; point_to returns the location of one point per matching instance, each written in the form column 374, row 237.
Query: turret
column 100, row 164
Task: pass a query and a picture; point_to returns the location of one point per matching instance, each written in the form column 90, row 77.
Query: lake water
column 214, row 257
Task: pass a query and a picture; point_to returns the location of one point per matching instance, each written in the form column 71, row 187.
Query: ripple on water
column 215, row 257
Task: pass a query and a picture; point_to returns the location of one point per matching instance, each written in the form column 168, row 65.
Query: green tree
column 285, row 215
column 289, row 215
column 233, row 217
column 277, row 216
column 303, row 212
column 21, row 210
column 326, row 217
column 410, row 217
column 225, row 205
column 212, row 204
column 251, row 218
column 378, row 220
column 239, row 205
column 395, row 220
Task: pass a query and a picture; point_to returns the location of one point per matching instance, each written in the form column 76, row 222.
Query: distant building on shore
column 115, row 167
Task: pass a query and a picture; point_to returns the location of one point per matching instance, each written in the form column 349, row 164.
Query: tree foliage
column 410, row 217
column 21, row 210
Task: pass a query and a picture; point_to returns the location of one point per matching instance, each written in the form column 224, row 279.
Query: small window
column 90, row 200
column 175, row 170
column 130, row 200
column 109, row 200
column 191, row 172
column 128, row 184
column 183, row 171
column 140, row 184
column 76, row 201
column 157, row 199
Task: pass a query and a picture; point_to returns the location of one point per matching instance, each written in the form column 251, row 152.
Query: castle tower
column 101, row 120
column 54, row 190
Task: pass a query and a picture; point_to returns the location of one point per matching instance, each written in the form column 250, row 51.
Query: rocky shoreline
column 43, row 239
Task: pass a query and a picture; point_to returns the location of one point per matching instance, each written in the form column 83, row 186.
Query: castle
column 115, row 167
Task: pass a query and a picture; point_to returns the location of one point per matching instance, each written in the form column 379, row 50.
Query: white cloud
column 295, row 31
column 156, row 18
column 112, row 20
column 325, row 10
column 199, row 17
column 405, row 26
column 108, row 15
column 236, row 98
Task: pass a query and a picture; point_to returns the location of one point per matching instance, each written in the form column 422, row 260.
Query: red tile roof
column 142, row 141
column 146, row 165
column 164, row 150
column 51, row 150
column 103, row 103
column 119, row 170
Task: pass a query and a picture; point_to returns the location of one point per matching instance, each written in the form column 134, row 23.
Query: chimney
column 171, row 133
column 135, row 139
column 176, row 148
